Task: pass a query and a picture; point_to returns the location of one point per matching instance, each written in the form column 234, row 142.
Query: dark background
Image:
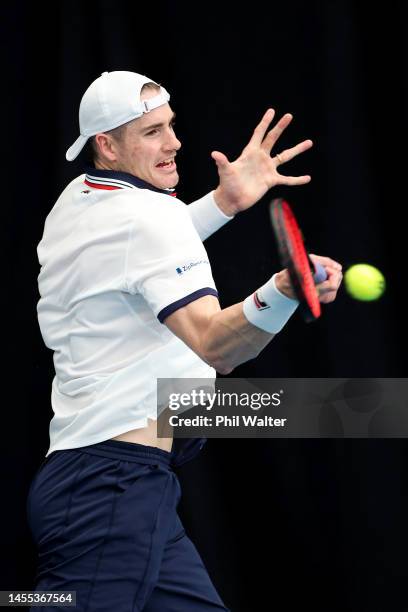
column 279, row 523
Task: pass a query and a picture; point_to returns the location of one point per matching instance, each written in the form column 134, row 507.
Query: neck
column 100, row 165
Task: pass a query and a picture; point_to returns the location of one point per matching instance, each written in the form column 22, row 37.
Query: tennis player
column 127, row 296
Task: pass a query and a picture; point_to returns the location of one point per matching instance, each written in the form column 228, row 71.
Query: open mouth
column 167, row 163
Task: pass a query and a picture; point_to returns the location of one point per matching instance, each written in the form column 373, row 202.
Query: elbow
column 221, row 364
column 224, row 370
column 225, row 366
column 225, row 357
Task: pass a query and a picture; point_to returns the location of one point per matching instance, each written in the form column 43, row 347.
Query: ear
column 106, row 146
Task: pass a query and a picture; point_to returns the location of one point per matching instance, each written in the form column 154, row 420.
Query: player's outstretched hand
column 244, row 181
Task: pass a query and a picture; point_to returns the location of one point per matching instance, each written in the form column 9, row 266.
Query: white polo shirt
column 117, row 257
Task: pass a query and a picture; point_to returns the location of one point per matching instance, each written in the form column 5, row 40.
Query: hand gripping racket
column 304, row 274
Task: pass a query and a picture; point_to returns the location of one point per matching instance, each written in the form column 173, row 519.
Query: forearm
column 239, row 333
column 226, row 338
column 231, row 339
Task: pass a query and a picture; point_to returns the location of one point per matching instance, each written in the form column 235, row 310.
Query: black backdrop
column 279, row 523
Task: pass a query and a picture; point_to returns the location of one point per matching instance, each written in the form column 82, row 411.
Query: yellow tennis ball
column 364, row 282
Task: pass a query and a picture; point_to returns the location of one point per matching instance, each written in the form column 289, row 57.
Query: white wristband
column 268, row 308
column 207, row 217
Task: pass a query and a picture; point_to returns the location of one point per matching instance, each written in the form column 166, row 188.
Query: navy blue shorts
column 105, row 523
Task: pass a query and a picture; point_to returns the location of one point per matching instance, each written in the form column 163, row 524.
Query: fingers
column 326, row 298
column 326, row 261
column 220, row 159
column 328, row 289
column 288, row 154
column 333, row 282
column 266, row 143
column 293, row 180
column 276, row 132
column 260, row 130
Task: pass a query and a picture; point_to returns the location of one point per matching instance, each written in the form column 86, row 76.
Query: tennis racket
column 303, row 273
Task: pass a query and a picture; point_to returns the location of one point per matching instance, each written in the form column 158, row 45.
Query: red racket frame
column 294, row 257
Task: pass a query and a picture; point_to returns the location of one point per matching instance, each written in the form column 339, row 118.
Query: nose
column 171, row 142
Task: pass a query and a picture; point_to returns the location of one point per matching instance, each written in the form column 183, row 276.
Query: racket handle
column 320, row 273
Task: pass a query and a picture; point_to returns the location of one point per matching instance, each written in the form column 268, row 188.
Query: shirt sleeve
column 166, row 261
column 206, row 216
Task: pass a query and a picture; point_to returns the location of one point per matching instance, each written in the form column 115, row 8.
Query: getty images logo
column 190, row 265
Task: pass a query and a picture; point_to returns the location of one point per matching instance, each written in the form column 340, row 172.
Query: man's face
column 149, row 147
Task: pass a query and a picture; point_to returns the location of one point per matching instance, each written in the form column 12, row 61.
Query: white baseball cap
column 110, row 101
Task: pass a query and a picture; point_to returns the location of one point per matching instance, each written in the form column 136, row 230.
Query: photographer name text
column 224, row 421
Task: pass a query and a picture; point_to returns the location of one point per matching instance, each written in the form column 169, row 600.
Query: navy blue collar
column 113, row 179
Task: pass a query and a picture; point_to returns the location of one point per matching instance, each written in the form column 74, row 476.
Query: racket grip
column 320, row 273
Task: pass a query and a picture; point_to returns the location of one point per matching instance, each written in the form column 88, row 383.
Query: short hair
column 91, row 148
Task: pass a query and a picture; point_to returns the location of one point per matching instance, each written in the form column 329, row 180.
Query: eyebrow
column 158, row 125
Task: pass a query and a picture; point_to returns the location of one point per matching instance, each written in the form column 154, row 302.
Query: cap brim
column 76, row 148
